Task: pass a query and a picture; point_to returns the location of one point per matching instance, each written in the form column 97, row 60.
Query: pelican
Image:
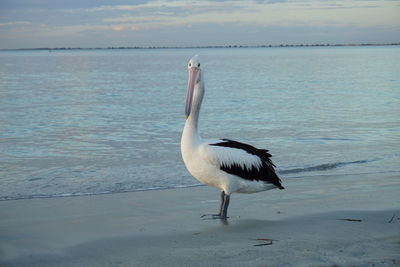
column 227, row 165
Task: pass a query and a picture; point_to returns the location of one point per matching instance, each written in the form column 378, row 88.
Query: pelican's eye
column 198, row 65
column 190, row 64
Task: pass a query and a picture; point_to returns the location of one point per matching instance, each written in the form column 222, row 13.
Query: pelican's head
column 194, row 62
column 193, row 82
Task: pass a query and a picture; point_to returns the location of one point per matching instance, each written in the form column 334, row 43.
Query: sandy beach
column 317, row 221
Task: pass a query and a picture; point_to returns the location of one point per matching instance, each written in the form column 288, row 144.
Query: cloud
column 62, row 4
column 163, row 14
column 13, row 23
column 119, row 21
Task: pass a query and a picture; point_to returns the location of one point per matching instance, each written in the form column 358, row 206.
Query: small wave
column 324, row 167
column 82, row 194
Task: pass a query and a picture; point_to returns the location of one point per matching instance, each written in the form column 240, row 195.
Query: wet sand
column 316, row 221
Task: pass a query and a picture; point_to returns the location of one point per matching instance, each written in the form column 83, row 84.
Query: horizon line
column 199, row 47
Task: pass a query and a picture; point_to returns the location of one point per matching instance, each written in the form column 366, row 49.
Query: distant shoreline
column 191, row 47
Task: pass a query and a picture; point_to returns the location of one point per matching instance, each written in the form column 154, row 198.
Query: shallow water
column 100, row 121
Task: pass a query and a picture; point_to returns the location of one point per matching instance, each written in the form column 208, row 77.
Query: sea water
column 79, row 122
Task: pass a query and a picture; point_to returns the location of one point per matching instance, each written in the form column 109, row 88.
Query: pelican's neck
column 191, row 131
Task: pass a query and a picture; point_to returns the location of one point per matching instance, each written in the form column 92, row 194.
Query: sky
column 106, row 23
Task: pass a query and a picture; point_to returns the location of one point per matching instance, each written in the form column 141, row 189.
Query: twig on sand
column 267, row 242
column 391, row 219
column 263, row 244
column 351, row 220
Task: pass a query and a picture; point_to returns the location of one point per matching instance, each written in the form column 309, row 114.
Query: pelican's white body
column 203, row 162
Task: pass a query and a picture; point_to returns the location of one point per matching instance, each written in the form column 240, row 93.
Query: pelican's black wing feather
column 265, row 172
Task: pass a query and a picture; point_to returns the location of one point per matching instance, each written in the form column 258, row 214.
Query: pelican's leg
column 225, row 207
column 221, row 208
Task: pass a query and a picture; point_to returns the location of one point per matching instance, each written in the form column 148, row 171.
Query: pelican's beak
column 193, row 72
